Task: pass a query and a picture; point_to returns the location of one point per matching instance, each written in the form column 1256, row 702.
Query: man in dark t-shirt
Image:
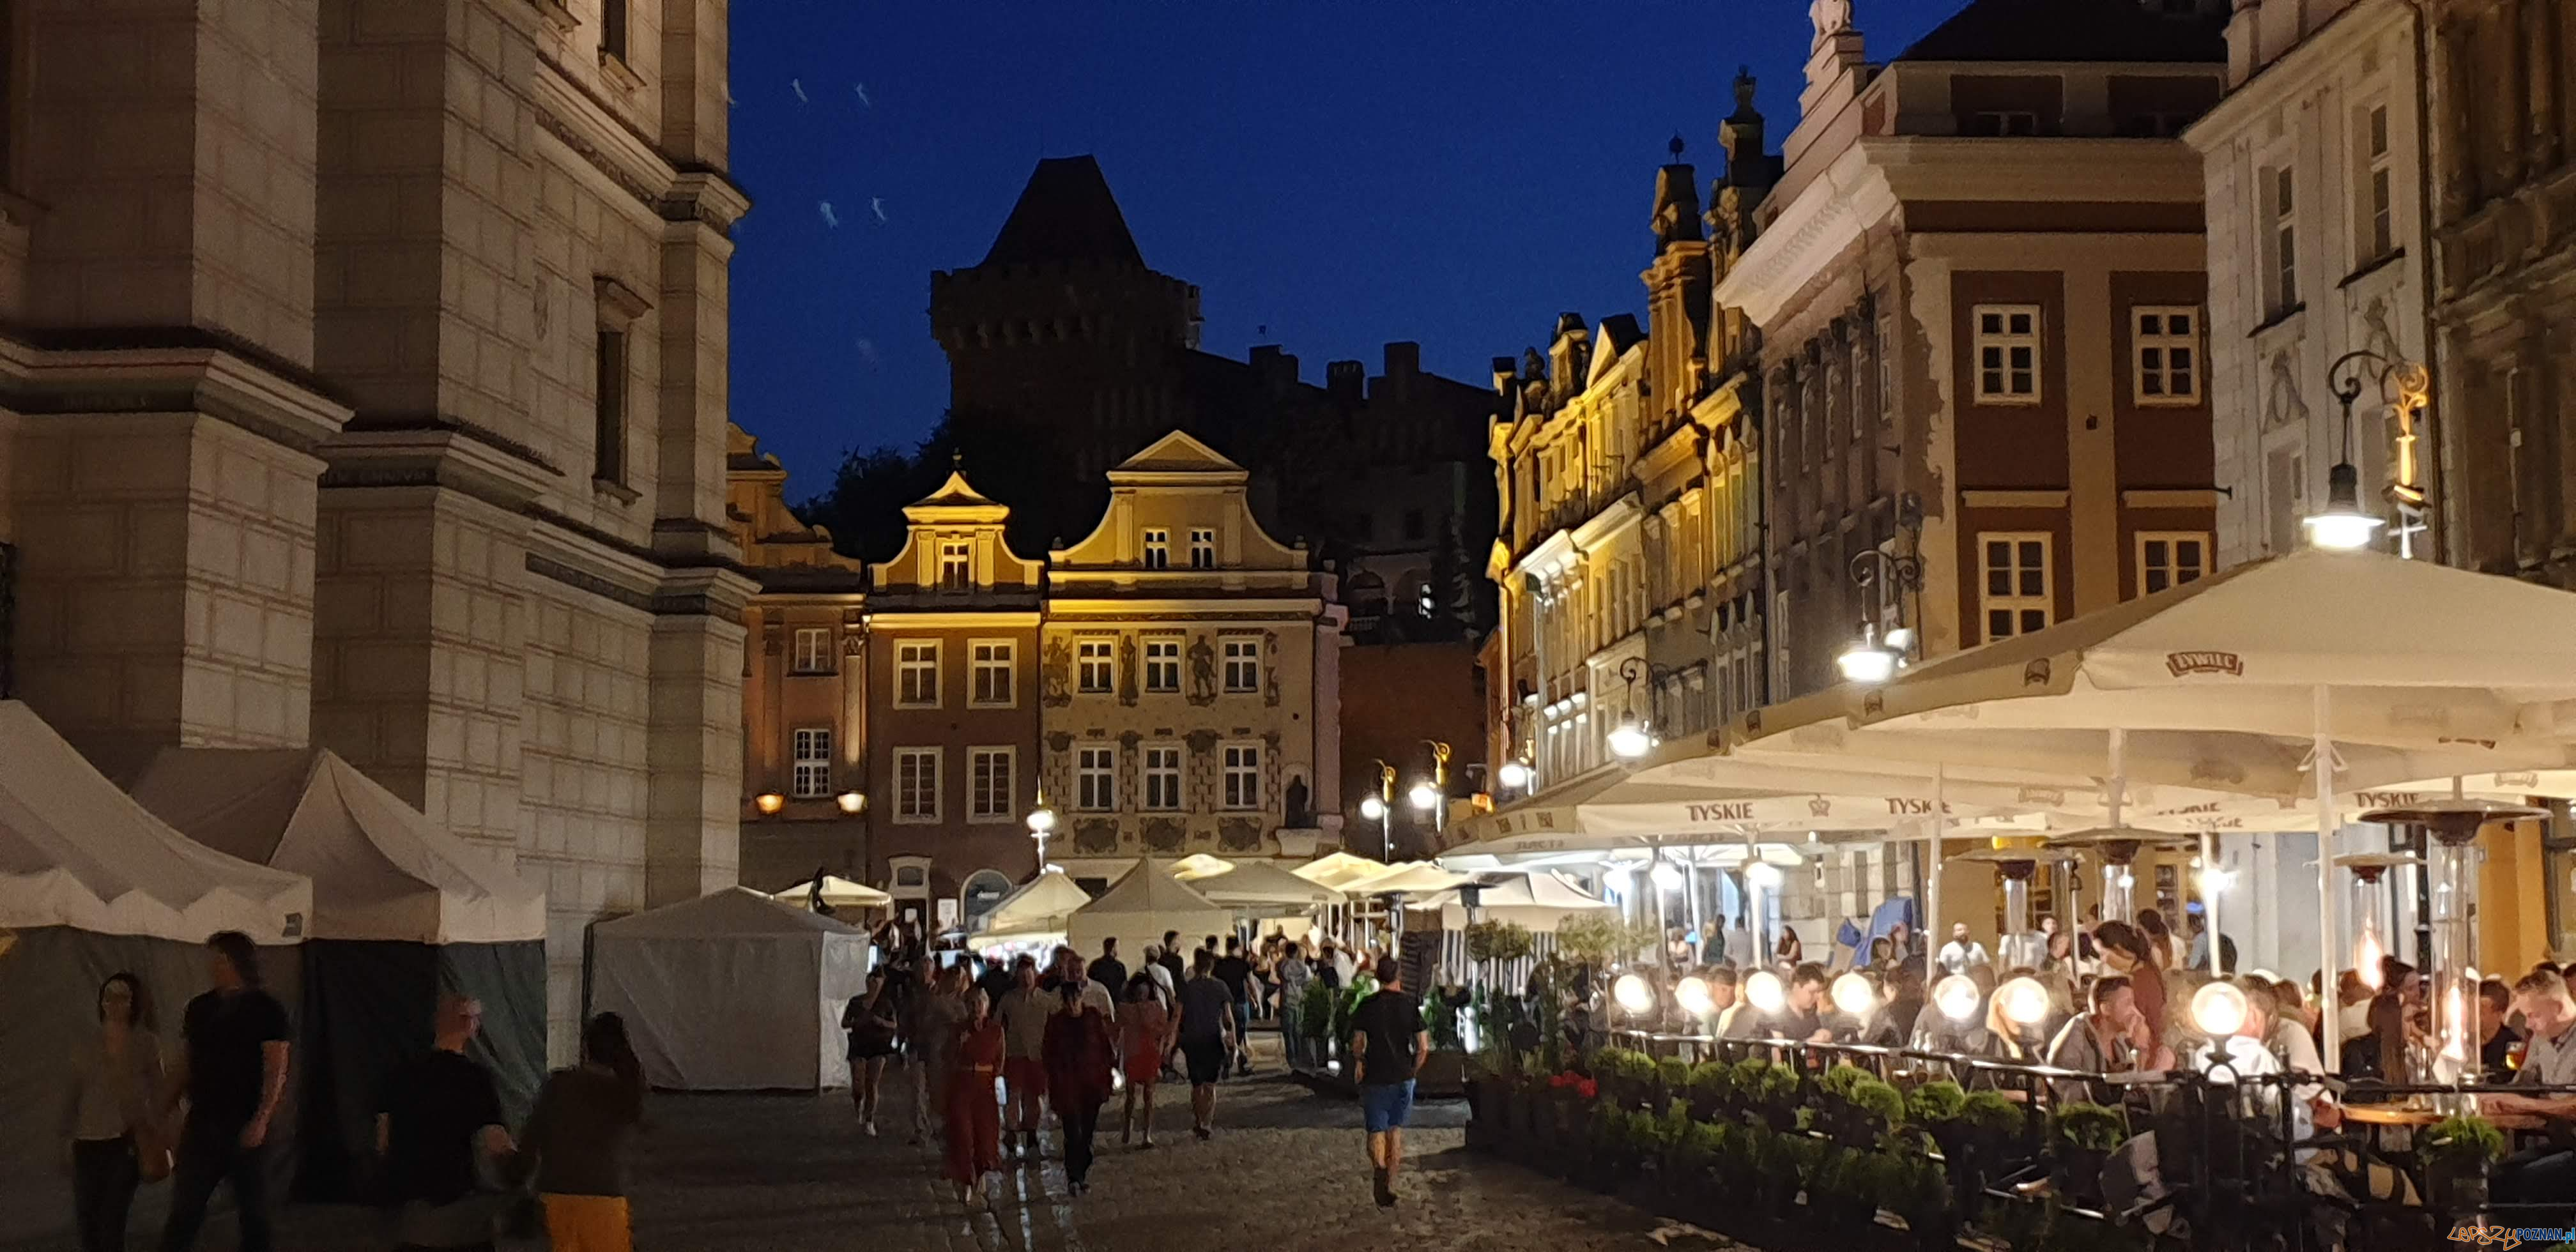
column 1236, row 973
column 437, row 1110
column 232, row 1073
column 1206, row 1037
column 1388, row 1038
column 1109, row 971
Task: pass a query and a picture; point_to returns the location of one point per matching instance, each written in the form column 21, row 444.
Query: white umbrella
column 1259, row 884
column 839, row 892
column 1339, row 869
column 1199, row 865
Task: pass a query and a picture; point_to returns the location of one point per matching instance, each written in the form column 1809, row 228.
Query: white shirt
column 1162, row 978
column 1956, row 958
column 2024, row 949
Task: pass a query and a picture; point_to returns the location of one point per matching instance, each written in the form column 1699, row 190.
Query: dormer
column 953, row 547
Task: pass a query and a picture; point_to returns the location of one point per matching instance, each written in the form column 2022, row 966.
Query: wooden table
column 2400, row 1115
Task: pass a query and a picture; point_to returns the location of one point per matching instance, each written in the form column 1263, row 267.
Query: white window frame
column 2017, row 600
column 997, row 660
column 810, row 748
column 1156, row 667
column 1095, row 778
column 2377, row 224
column 813, row 652
column 2278, row 189
column 2160, row 553
column 980, row 783
column 918, row 672
column 2003, row 341
column 2155, row 381
column 911, row 789
column 1164, row 775
column 1202, row 547
column 1158, row 548
column 1095, row 655
column 1241, row 659
column 1240, row 777
column 956, row 565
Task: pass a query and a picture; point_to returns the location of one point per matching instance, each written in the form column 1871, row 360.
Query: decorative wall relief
column 1201, row 742
column 1057, row 673
column 1270, row 668
column 1164, row 834
column 1095, row 835
column 1202, row 672
column 1238, row 834
column 1127, row 670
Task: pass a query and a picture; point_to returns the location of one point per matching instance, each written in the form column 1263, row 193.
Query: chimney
column 1403, row 365
column 1276, row 369
column 1347, row 381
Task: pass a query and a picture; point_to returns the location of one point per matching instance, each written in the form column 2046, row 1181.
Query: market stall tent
column 1339, row 869
column 844, row 895
column 1034, row 913
column 90, row 884
column 1262, row 887
column 1140, row 906
column 1538, row 902
column 403, row 912
column 731, row 992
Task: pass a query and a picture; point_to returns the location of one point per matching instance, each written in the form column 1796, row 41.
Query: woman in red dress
column 1079, row 1054
column 1145, row 1038
column 974, row 1117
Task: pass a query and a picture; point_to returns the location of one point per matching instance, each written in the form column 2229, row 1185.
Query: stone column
column 693, row 749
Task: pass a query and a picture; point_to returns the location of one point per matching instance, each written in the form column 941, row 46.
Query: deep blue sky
column 1345, row 172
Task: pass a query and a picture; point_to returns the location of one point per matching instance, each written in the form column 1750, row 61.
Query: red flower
column 1561, row 1080
column 1587, row 1089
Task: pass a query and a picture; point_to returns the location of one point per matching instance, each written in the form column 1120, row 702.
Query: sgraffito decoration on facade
column 1238, row 834
column 1270, row 668
column 1057, row 673
column 1095, row 835
column 1127, row 670
column 1202, row 672
column 1164, row 834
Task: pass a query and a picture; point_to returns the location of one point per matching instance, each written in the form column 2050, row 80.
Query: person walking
column 439, row 1111
column 1144, row 1038
column 1080, row 1054
column 1108, row 970
column 935, row 1020
column 1206, row 1034
column 1236, row 973
column 577, row 1137
column 972, row 1119
column 1176, row 972
column 232, row 1073
column 110, row 1141
column 1389, row 1042
column 870, row 1019
column 1023, row 1013
column 1293, row 979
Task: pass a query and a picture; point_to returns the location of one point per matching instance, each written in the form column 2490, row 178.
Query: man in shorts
column 1207, row 1037
column 1387, row 1036
column 1023, row 1013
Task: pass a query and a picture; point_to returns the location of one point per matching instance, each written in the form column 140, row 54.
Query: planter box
column 1443, row 1076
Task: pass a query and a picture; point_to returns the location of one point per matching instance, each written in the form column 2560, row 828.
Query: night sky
column 1455, row 172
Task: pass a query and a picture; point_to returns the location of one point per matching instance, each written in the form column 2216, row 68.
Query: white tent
column 731, row 992
column 1339, row 869
column 1034, row 913
column 402, row 911
column 1262, row 885
column 1199, row 865
column 1538, row 902
column 1409, row 878
column 841, row 893
column 1143, row 904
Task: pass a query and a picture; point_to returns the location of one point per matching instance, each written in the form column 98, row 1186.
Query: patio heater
column 2369, row 902
column 2014, row 868
column 2454, row 824
column 2119, row 847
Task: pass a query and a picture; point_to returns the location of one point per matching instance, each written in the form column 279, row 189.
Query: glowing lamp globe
column 1762, row 874
column 1630, row 741
column 1514, row 775
column 1633, row 995
column 2218, row 1008
column 1957, row 996
column 1372, row 808
column 1765, row 992
column 1854, row 995
column 2342, row 527
column 851, row 801
column 2026, row 1001
column 769, row 802
column 1424, row 796
column 1694, row 997
column 1666, row 875
column 1868, row 662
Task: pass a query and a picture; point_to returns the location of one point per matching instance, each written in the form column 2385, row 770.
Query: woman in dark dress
column 870, row 1019
column 1078, row 1053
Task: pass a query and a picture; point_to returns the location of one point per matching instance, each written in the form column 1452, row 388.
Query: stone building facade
column 2314, row 167
column 367, row 390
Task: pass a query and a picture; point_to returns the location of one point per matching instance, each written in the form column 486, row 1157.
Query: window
column 1162, row 665
column 2007, row 346
column 2281, row 200
column 2379, row 190
column 1096, row 665
column 2170, row 560
column 1243, row 776
column 2017, row 599
column 2003, row 122
column 989, row 782
column 1202, row 549
column 1158, row 549
column 956, row 565
column 813, row 779
column 612, row 28
column 1243, row 661
column 916, row 784
column 813, row 650
column 2166, row 342
column 990, row 664
column 916, row 675
column 608, row 449
column 1163, row 778
column 1096, row 779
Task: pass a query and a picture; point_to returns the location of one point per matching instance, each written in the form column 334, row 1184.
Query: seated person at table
column 1905, row 999
column 2379, row 1052
column 2495, row 1039
column 1875, row 1027
column 1802, row 1017
column 2544, row 1174
column 2110, row 1037
column 1732, row 1018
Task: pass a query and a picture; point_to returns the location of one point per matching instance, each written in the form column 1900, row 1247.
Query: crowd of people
column 447, row 1167
column 996, row 1047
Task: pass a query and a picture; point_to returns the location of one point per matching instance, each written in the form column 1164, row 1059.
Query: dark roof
column 2070, row 30
column 1065, row 214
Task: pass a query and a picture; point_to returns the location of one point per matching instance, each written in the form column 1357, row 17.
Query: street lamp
column 1869, row 661
column 1424, row 796
column 769, row 802
column 1433, row 797
column 851, row 801
column 1634, row 737
column 2344, row 526
column 1379, row 807
column 1875, row 571
column 1514, row 775
column 1041, row 825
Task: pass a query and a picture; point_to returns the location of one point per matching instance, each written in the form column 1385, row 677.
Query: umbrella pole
column 1933, row 935
column 2327, row 821
column 2209, row 902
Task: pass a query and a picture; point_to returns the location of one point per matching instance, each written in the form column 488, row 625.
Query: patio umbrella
column 1199, row 865
column 1259, row 884
column 1339, row 868
column 839, row 892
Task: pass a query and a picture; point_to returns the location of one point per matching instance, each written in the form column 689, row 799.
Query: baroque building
column 2314, row 168
column 366, row 377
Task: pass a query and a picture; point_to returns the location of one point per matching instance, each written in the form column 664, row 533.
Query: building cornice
column 2330, row 51
column 931, row 619
column 1619, row 515
column 1828, row 216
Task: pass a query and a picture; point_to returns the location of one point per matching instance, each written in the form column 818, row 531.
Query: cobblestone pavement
column 1285, row 1172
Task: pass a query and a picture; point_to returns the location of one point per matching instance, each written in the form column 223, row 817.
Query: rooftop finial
column 1744, row 86
column 1675, row 147
column 957, row 459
